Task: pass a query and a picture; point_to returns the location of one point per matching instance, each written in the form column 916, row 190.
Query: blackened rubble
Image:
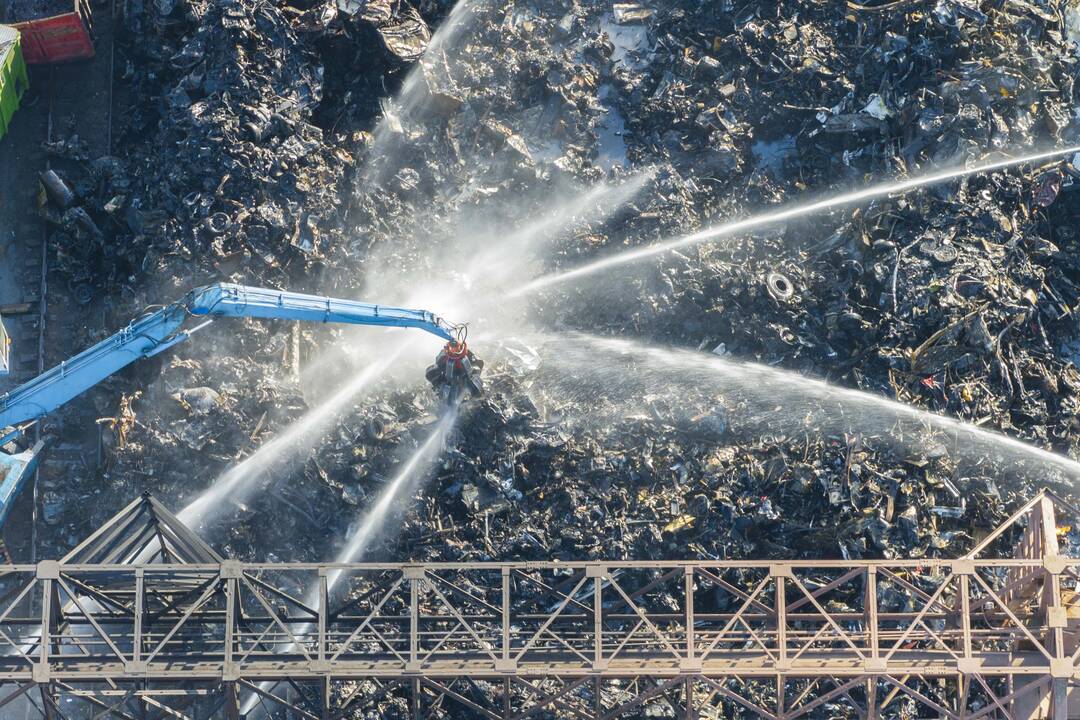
column 252, row 155
column 13, row 11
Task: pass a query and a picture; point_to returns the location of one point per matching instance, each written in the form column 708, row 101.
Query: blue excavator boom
column 157, row 331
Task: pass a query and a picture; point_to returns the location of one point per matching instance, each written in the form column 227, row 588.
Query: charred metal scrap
column 288, row 164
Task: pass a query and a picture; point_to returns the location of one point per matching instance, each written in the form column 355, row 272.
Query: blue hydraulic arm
column 157, row 331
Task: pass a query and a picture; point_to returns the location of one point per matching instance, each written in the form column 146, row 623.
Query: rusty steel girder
column 144, row 616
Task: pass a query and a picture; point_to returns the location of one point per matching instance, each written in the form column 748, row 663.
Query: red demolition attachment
column 456, row 372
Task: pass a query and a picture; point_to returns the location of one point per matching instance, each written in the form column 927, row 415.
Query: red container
column 58, row 38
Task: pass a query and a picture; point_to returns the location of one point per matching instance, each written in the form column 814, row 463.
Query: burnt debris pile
column 224, row 167
column 318, row 147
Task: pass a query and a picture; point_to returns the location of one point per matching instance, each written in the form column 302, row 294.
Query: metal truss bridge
column 145, row 620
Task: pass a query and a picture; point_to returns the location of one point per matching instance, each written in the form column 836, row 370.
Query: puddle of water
column 546, row 151
column 771, row 154
column 631, row 42
column 610, row 131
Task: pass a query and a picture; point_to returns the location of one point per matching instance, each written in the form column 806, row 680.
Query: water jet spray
column 589, row 368
column 374, row 520
column 776, row 216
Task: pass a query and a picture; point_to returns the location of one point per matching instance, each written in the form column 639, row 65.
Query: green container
column 13, row 79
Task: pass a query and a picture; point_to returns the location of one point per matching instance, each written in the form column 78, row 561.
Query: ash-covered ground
column 281, row 144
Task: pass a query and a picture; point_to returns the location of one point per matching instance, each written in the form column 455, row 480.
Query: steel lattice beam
column 967, row 638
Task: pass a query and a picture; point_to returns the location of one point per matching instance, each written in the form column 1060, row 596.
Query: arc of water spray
column 735, row 226
column 412, row 97
column 403, row 484
column 237, row 482
column 777, row 387
column 507, row 258
column 598, row 203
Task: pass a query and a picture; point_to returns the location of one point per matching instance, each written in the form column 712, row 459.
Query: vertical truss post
column 47, row 573
column 1059, row 699
column 873, row 625
column 1056, row 615
column 598, row 624
column 964, row 602
column 963, row 680
column 871, row 613
column 779, row 577
column 56, row 616
column 688, row 691
column 324, row 608
column 414, row 625
column 46, row 622
column 688, row 590
column 231, row 585
column 137, row 633
column 505, row 573
column 414, row 699
column 48, row 700
column 232, row 702
column 1053, row 614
